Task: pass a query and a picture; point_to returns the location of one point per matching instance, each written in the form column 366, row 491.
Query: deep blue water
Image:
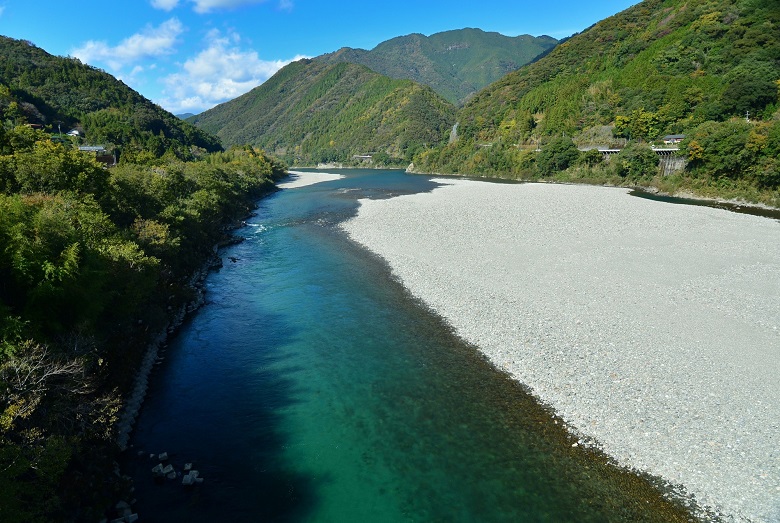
column 312, row 387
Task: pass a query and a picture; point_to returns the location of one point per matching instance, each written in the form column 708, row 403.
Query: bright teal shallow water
column 311, row 387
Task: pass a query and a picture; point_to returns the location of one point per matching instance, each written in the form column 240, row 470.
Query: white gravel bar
column 297, row 179
column 652, row 329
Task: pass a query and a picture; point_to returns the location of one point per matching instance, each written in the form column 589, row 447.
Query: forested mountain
column 455, row 64
column 311, row 112
column 62, row 93
column 684, row 61
column 701, row 68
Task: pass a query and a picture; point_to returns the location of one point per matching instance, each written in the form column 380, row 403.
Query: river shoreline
column 302, row 179
column 134, row 399
column 651, row 329
column 152, row 354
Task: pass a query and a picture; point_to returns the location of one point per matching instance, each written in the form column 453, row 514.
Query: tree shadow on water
column 218, row 402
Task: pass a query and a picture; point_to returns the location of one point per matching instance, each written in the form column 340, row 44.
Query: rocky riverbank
column 652, row 329
column 135, row 398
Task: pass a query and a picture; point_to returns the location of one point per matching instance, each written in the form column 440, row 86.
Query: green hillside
column 686, row 61
column 312, row 112
column 455, row 64
column 62, row 94
column 660, row 67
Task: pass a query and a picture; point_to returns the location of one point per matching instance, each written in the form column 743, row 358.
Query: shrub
column 636, row 161
column 557, row 156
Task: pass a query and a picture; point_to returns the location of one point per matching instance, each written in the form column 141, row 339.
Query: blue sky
column 189, row 55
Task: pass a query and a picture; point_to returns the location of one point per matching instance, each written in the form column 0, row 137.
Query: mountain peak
column 455, row 64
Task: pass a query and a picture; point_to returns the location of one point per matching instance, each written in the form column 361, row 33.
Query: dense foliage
column 64, row 94
column 688, row 67
column 310, row 112
column 672, row 63
column 91, row 260
column 556, row 156
column 736, row 151
column 455, row 64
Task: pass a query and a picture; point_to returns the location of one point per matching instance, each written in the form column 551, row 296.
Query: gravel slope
column 652, row 328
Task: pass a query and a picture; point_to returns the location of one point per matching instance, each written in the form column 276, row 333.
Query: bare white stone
column 652, row 329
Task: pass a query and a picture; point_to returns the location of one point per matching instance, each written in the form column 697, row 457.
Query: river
column 313, row 387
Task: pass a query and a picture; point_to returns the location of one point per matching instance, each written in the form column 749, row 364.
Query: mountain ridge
column 705, row 69
column 311, row 112
column 652, row 49
column 455, row 63
column 63, row 93
column 452, row 65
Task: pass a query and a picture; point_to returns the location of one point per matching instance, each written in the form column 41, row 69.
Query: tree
column 46, row 398
column 557, row 156
column 636, row 161
column 640, row 124
column 720, row 149
column 751, row 87
column 51, row 167
column 591, row 157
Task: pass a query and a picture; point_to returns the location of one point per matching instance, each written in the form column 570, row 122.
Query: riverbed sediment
column 298, row 179
column 652, row 329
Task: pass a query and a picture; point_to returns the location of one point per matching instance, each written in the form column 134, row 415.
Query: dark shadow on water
column 203, row 412
column 733, row 207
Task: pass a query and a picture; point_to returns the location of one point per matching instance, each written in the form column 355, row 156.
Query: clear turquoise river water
column 312, row 387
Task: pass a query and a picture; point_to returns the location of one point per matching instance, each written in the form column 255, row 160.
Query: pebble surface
column 653, row 329
column 296, row 179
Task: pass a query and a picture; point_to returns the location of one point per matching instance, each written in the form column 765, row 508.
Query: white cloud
column 150, row 42
column 2, row 8
column 207, row 6
column 220, row 72
column 165, row 5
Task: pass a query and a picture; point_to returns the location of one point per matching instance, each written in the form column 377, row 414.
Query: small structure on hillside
column 673, row 139
column 669, row 159
column 102, row 154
